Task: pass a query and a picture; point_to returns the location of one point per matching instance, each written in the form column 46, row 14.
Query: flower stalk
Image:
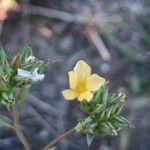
column 17, row 128
column 58, row 139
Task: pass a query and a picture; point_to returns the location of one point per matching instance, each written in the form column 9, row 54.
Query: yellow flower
column 82, row 83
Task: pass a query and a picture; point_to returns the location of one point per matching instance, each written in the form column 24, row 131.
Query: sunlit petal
column 82, row 70
column 72, row 80
column 69, row 94
column 87, row 96
column 94, row 82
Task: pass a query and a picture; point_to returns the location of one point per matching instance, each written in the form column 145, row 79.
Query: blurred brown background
column 111, row 35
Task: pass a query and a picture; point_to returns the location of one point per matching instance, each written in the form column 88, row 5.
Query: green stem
column 57, row 140
column 17, row 127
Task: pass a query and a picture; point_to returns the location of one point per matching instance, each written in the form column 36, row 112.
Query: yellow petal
column 87, row 95
column 69, row 94
column 94, row 82
column 82, row 70
column 72, row 80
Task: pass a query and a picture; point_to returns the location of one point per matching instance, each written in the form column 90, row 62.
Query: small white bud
column 30, row 59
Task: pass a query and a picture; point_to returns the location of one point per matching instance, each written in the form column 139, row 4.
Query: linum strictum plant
column 103, row 110
column 19, row 72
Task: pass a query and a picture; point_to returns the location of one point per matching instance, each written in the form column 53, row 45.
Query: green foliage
column 104, row 112
column 13, row 87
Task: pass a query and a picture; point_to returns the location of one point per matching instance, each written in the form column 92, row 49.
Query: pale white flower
column 30, row 58
column 35, row 76
column 23, row 73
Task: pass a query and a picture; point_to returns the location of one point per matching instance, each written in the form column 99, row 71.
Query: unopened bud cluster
column 17, row 74
column 104, row 114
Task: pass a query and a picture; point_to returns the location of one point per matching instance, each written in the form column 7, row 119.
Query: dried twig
column 81, row 19
column 60, row 15
column 39, row 119
column 45, row 107
column 99, row 44
column 25, row 24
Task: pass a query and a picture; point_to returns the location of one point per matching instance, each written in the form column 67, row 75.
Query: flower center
column 81, row 87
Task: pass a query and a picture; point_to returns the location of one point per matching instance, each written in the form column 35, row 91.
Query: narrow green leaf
column 108, row 114
column 1, row 71
column 25, row 53
column 3, row 86
column 99, row 108
column 105, row 94
column 85, row 107
column 43, row 67
column 5, row 96
column 89, row 138
column 2, row 54
column 102, row 115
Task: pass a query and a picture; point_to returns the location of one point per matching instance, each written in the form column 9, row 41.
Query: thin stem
column 1, row 27
column 17, row 127
column 57, row 140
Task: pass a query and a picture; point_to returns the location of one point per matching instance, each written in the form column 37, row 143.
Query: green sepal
column 3, row 56
column 43, row 66
column 89, row 138
column 101, row 95
column 4, row 86
column 104, row 111
column 86, row 107
column 25, row 52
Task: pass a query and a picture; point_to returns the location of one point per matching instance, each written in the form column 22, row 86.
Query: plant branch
column 57, row 140
column 17, row 127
